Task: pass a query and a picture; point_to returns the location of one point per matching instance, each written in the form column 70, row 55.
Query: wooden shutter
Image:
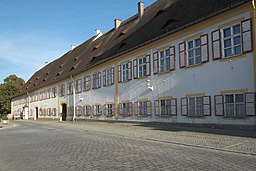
column 182, row 54
column 89, row 85
column 112, row 76
column 246, row 26
column 207, row 105
column 157, row 109
column 216, row 45
column 99, row 79
column 120, row 111
column 104, row 78
column 173, row 106
column 119, row 73
column 104, row 109
column 148, row 65
column 149, row 108
column 155, row 63
column 136, row 109
column 204, row 48
column 250, row 99
column 130, row 108
column 172, row 58
column 219, row 105
column 135, row 69
column 129, row 70
column 184, row 106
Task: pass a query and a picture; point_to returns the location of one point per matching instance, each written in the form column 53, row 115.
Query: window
column 79, row 110
column 125, row 109
column 232, row 41
column 70, row 88
column 78, row 86
column 62, row 90
column 87, row 110
column 142, row 108
column 108, row 77
column 164, row 61
column 54, row 92
column 234, row 105
column 109, row 109
column 48, row 94
column 125, row 72
column 141, row 67
column 166, row 107
column 87, row 83
column 96, row 80
column 195, row 106
column 194, row 52
column 48, row 112
column 54, row 112
column 97, row 110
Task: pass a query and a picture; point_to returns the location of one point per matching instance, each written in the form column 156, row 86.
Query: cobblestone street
column 52, row 145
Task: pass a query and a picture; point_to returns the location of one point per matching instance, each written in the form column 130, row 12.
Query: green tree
column 8, row 89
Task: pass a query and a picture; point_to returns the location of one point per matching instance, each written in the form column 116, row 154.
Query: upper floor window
column 194, row 52
column 108, row 77
column 141, row 67
column 62, row 90
column 125, row 72
column 232, row 41
column 70, row 88
column 96, row 80
column 54, row 92
column 87, row 83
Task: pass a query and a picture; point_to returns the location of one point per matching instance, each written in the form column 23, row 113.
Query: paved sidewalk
column 239, row 141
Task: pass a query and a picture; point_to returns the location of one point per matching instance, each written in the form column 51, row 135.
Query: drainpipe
column 74, row 98
column 28, row 104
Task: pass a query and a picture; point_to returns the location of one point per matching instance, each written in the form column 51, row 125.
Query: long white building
column 175, row 61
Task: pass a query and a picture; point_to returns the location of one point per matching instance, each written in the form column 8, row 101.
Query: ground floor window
column 54, row 112
column 166, row 107
column 97, row 110
column 125, row 109
column 48, row 112
column 234, row 105
column 79, row 110
column 87, row 110
column 196, row 106
column 142, row 108
column 109, row 109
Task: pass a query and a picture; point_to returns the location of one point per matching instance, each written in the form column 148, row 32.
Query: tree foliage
column 8, row 89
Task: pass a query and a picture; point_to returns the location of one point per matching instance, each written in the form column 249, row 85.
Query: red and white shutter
column 184, row 106
column 112, row 75
column 172, row 58
column 119, row 74
column 149, row 108
column 136, row 109
column 216, row 45
column 219, row 105
column 207, row 105
column 155, row 63
column 129, row 70
column 250, row 99
column 182, row 54
column 157, row 109
column 204, row 48
column 104, row 78
column 247, row 35
column 173, row 106
column 148, row 65
column 135, row 69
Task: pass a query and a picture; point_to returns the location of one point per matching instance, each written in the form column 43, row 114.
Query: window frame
column 194, row 52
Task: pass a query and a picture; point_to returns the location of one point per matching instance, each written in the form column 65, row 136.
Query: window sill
column 195, row 117
column 229, row 59
column 194, row 66
column 167, row 116
column 141, row 78
column 163, row 73
column 234, row 117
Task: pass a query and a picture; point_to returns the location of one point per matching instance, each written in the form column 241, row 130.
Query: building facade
column 198, row 70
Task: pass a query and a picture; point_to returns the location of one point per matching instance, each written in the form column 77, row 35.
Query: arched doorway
column 64, row 112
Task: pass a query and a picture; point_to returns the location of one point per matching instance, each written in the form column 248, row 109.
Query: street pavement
column 53, row 145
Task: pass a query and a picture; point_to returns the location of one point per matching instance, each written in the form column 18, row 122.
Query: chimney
column 140, row 9
column 72, row 47
column 117, row 23
column 98, row 32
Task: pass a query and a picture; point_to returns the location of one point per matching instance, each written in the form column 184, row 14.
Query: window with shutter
column 234, row 105
column 204, row 48
column 250, row 99
column 149, row 108
column 136, row 109
column 104, row 78
column 216, row 45
column 182, row 54
column 156, row 103
column 184, row 106
column 173, row 106
column 155, row 63
column 194, row 52
column 119, row 74
column 219, row 106
column 112, row 76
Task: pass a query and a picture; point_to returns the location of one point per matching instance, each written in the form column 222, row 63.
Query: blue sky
column 35, row 31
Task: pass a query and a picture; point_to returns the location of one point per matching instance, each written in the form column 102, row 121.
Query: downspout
column 74, row 98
